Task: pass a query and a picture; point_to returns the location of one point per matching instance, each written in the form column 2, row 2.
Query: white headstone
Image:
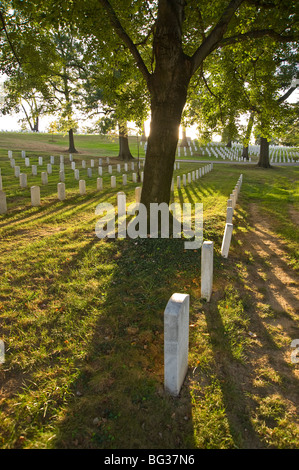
column 124, row 180
column 99, row 184
column 61, row 176
column 82, row 187
column 113, row 181
column 138, row 193
column 3, row 204
column 23, row 180
column 226, row 240
column 229, row 215
column 35, row 196
column 207, row 270
column 17, row 171
column 44, row 176
column 176, row 342
column 61, row 191
column 34, row 170
column 40, row 160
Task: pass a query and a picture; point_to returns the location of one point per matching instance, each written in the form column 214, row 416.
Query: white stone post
column 77, row 174
column 82, row 187
column 44, row 176
column 124, row 180
column 3, row 204
column 40, row 161
column 178, row 182
column 176, row 342
column 138, row 193
column 229, row 215
column 23, row 180
column 61, row 191
column 35, row 196
column 226, row 240
column 99, row 184
column 100, row 170
column 207, row 270
column 113, row 181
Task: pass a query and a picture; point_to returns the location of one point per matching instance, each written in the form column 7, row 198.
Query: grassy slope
column 82, row 320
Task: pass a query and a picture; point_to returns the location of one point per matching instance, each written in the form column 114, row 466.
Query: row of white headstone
column 231, row 204
column 176, row 313
column 192, row 176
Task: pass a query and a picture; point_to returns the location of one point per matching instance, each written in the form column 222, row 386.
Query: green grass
column 82, row 319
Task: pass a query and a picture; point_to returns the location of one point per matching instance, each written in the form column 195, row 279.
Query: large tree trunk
column 124, row 150
column 71, row 148
column 264, row 161
column 168, row 88
column 245, row 153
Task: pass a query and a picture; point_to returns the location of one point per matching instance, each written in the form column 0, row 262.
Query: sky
column 11, row 122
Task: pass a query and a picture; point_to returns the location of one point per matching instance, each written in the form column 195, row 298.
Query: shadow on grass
column 119, row 400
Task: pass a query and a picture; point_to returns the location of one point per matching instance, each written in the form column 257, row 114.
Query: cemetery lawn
column 82, row 318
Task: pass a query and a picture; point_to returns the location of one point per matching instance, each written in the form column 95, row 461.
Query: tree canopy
column 169, row 42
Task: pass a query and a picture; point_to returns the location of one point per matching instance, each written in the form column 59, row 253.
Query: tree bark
column 36, row 123
column 247, row 136
column 124, row 150
column 264, row 161
column 71, row 148
column 245, row 152
column 168, row 89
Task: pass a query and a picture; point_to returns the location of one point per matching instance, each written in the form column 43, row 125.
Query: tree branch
column 215, row 36
column 120, row 31
column 8, row 39
column 255, row 34
column 287, row 94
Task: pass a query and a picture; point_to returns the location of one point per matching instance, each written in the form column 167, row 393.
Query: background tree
column 169, row 44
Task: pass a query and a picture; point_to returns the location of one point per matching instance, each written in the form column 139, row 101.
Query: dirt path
column 273, row 275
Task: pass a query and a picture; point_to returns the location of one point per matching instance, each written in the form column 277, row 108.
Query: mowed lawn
column 82, row 318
